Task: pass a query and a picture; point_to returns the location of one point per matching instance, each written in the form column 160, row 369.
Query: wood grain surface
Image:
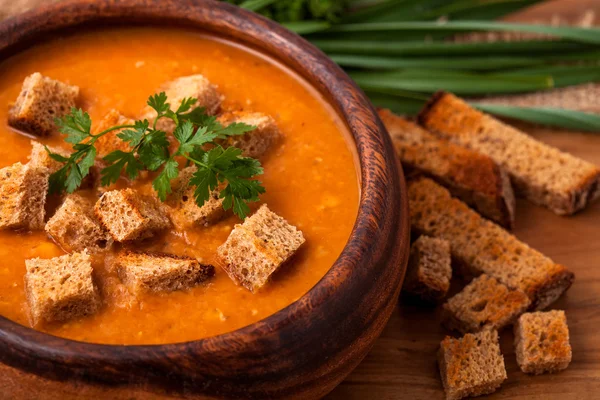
column 402, row 364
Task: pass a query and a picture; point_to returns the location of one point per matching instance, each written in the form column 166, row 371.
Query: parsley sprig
column 198, row 136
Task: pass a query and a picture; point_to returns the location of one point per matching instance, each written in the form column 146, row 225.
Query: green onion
column 562, row 75
column 481, row 10
column 422, row 48
column 583, row 35
column 465, row 63
column 255, row 5
column 306, row 27
column 429, row 81
column 399, row 105
column 567, row 119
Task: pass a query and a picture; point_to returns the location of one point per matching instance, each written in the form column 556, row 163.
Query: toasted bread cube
column 196, row 86
column 429, row 271
column 154, row 272
column 484, row 302
column 23, row 191
column 61, row 288
column 472, row 365
column 128, row 215
column 39, row 157
column 256, row 142
column 75, row 227
column 41, row 101
column 255, row 249
column 109, row 142
column 480, row 246
column 184, row 211
column 542, row 342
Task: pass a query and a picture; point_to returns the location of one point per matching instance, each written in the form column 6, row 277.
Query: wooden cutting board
column 402, row 364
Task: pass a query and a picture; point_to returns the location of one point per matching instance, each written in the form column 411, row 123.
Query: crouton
column 255, row 249
column 41, row 101
column 109, row 142
column 196, row 86
column 75, row 227
column 184, row 211
column 429, row 271
column 472, row 365
column 542, row 342
column 127, row 215
column 480, row 246
column 544, row 175
column 484, row 302
column 39, row 157
column 472, row 177
column 61, row 288
column 23, row 191
column 154, row 272
column 256, row 142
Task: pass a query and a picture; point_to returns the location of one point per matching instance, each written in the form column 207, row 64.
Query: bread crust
column 160, row 272
column 480, row 246
column 473, row 177
column 543, row 174
column 41, row 100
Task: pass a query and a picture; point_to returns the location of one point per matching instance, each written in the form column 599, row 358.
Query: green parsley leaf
column 154, row 150
column 120, row 160
column 56, row 156
column 87, row 161
column 159, row 103
column 162, row 183
column 57, row 180
column 184, row 132
column 134, row 136
column 235, row 129
column 227, row 165
column 199, row 117
column 186, row 104
column 76, row 125
column 74, row 178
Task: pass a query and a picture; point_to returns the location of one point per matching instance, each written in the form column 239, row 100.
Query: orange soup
column 310, row 180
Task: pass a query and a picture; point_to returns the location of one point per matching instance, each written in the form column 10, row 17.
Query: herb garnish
column 149, row 150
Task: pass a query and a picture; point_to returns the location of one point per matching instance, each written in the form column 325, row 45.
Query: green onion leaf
column 566, row 119
column 583, row 35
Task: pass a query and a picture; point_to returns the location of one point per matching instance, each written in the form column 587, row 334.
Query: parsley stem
column 114, row 128
column 200, row 163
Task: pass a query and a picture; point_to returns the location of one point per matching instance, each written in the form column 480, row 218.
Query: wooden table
column 402, row 364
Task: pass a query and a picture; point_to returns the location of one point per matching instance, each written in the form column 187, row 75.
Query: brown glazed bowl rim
column 382, row 214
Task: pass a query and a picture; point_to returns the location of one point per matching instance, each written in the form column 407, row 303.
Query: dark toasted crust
column 26, row 124
column 587, row 193
column 158, row 272
column 132, row 253
column 479, row 246
column 423, row 115
column 473, row 177
column 551, row 290
column 543, row 174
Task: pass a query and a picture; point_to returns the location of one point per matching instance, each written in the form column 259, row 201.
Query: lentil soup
column 310, row 179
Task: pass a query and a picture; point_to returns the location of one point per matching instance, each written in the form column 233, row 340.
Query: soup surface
column 310, row 178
